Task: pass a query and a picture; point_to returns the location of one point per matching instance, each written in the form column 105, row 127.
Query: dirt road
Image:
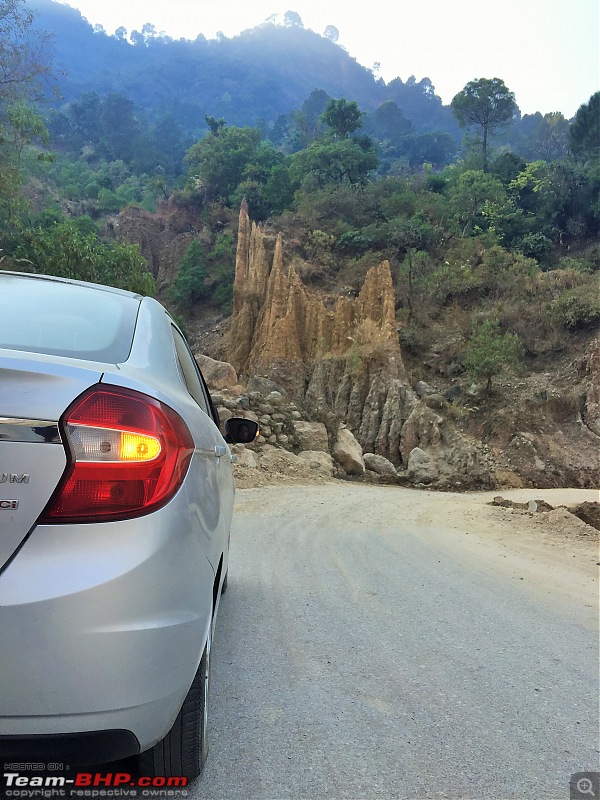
column 378, row 642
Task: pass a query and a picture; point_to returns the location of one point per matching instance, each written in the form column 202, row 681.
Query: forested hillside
column 250, row 79
column 124, row 159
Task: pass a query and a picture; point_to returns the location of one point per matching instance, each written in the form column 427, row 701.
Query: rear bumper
column 93, row 747
column 102, row 629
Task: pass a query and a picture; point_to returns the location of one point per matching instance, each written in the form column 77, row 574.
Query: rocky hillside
column 299, row 356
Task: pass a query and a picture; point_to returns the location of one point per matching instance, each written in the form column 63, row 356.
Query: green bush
column 451, row 281
column 190, row 285
column 535, row 245
column 69, row 250
column 576, row 264
column 578, row 307
column 353, row 243
column 206, row 275
column 489, row 352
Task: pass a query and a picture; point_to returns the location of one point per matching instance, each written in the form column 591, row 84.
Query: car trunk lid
column 34, row 393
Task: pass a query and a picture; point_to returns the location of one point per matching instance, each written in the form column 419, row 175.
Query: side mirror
column 240, row 431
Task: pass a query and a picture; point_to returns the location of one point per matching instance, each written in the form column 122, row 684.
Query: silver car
column 116, row 497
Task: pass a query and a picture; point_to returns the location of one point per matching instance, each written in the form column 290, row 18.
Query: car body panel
column 153, row 354
column 37, row 386
column 103, row 624
column 34, row 392
column 90, row 636
column 28, row 475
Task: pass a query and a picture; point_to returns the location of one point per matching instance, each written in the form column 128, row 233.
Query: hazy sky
column 546, row 51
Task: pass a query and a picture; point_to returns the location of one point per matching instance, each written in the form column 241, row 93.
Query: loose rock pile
column 580, row 519
column 291, row 448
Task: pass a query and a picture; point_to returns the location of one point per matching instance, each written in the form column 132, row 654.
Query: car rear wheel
column 184, row 750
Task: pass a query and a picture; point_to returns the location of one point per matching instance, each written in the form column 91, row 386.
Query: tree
column 22, row 133
column 337, row 162
column 23, row 58
column 148, row 31
column 584, row 134
column 120, row 128
column 221, row 161
column 489, row 352
column 331, row 33
column 476, row 198
column 67, row 250
column 408, row 236
column 291, row 19
column 435, row 147
column 388, row 122
column 190, row 284
column 215, row 125
column 343, row 117
column 485, row 103
column 136, row 39
column 24, row 128
column 206, row 273
column 314, row 107
column 551, row 137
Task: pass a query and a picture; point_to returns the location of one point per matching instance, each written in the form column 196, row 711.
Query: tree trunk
column 485, row 135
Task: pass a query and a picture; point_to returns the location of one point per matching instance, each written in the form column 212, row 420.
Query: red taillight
column 129, row 454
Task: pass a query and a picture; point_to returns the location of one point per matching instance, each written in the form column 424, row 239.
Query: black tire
column 224, row 584
column 184, row 749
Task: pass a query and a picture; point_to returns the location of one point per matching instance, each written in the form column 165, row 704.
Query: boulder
column 274, row 397
column 245, row 458
column 588, row 512
column 348, row 452
column 217, row 374
column 435, row 401
column 224, row 414
column 421, row 429
column 380, row 465
column 421, row 467
column 264, row 386
column 422, row 389
column 275, row 460
column 320, row 463
column 246, row 415
column 453, row 393
column 311, row 436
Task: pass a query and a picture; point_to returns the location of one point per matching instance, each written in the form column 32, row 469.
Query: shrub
column 489, row 352
column 206, row 275
column 578, row 307
column 575, row 264
column 190, row 285
column 450, row 281
column 353, row 243
column 68, row 252
column 374, row 343
column 535, row 245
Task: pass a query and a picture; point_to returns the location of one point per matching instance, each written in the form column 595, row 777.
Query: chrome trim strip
column 29, row 430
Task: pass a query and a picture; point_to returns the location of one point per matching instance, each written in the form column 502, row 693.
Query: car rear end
column 106, row 590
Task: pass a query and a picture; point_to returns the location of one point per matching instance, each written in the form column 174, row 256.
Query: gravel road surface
column 378, row 642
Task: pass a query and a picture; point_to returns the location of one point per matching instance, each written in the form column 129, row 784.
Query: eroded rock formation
column 275, row 317
column 340, row 356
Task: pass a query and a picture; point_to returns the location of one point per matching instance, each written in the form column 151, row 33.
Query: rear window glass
column 63, row 319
